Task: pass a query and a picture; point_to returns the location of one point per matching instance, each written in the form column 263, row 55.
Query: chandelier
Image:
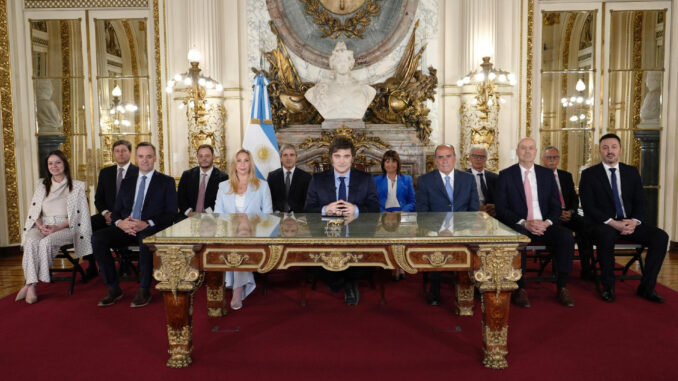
column 577, row 105
column 195, row 85
column 117, row 114
column 485, row 79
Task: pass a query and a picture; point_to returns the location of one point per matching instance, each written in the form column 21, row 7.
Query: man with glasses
column 569, row 204
column 485, row 180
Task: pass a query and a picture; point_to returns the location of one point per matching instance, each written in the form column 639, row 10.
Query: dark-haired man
column 347, row 192
column 613, row 198
column 145, row 205
column 199, row 185
column 108, row 187
column 288, row 184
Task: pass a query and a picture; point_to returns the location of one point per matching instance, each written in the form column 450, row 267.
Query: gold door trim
column 158, row 82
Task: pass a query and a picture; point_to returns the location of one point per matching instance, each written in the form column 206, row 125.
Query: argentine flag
column 260, row 136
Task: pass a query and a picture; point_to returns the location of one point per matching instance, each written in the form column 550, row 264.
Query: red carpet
column 274, row 338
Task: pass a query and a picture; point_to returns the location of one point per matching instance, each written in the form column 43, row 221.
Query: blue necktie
column 136, row 213
column 615, row 193
column 342, row 189
column 450, row 192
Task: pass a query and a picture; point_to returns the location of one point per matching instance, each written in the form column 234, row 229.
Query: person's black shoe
column 520, row 299
column 112, row 296
column 351, row 293
column 649, row 294
column 142, row 298
column 608, row 294
column 433, row 298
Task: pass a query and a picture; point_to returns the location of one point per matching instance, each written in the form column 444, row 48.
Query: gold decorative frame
column 158, row 82
column 11, row 187
column 85, row 3
column 333, row 27
column 528, row 77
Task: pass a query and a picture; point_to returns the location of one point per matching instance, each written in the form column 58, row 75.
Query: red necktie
column 560, row 193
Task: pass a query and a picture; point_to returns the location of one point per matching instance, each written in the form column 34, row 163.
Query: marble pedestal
column 331, row 124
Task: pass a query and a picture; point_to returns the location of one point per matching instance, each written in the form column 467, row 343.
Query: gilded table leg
column 216, row 303
column 177, row 280
column 179, row 313
column 497, row 275
column 464, row 291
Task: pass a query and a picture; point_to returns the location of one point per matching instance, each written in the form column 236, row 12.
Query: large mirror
column 122, row 82
column 567, row 86
column 58, row 87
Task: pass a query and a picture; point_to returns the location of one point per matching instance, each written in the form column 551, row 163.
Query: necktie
column 118, row 181
column 450, row 192
column 560, row 192
column 615, row 193
column 200, row 204
column 528, row 196
column 288, row 183
column 342, row 189
column 483, row 186
column 136, row 212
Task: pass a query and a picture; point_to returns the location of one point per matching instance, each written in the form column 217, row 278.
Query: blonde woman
column 244, row 192
column 58, row 215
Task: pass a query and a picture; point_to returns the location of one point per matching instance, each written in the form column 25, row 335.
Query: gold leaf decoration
column 333, row 27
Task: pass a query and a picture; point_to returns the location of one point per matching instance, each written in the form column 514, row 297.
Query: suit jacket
column 432, row 196
column 298, row 188
column 511, row 205
column 160, row 201
column 77, row 209
column 257, row 201
column 104, row 198
column 362, row 192
column 596, row 193
column 491, row 182
column 567, row 189
column 189, row 185
column 404, row 192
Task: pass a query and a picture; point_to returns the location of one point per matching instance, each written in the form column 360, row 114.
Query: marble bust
column 48, row 115
column 340, row 96
column 651, row 108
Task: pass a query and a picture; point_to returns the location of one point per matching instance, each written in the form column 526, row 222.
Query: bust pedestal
column 332, row 124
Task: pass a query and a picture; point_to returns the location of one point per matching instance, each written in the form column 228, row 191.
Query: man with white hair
column 485, row 180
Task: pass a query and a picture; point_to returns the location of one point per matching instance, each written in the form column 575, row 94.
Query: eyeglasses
column 551, row 157
column 478, row 156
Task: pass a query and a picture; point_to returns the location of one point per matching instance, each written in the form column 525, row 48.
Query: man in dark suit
column 445, row 189
column 108, row 186
column 347, row 192
column 613, row 198
column 485, row 180
column 288, row 184
column 527, row 201
column 199, row 185
column 145, row 205
column 569, row 205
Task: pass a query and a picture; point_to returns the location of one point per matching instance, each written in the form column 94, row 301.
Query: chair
column 539, row 253
column 126, row 257
column 622, row 249
column 72, row 270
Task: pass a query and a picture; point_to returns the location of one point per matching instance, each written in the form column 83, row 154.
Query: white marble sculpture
column 49, row 117
column 651, row 108
column 341, row 96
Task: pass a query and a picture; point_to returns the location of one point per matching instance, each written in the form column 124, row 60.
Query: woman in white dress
column 244, row 192
column 58, row 215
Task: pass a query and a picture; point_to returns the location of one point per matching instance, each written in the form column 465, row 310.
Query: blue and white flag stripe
column 260, row 137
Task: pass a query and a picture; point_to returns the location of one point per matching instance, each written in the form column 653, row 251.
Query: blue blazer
column 257, row 201
column 160, row 201
column 362, row 192
column 404, row 193
column 432, row 197
column 510, row 201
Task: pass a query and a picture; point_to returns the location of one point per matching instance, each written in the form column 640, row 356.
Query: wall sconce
column 196, row 86
column 485, row 80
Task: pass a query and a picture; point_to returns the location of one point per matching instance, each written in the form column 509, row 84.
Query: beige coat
column 78, row 216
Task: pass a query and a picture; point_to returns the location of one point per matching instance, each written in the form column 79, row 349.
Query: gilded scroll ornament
column 400, row 258
column 495, row 348
column 215, row 294
column 465, row 300
column 234, row 259
column 436, row 259
column 496, row 271
column 180, row 348
column 175, row 272
column 400, row 99
column 361, row 11
column 335, row 260
column 529, row 64
column 275, row 251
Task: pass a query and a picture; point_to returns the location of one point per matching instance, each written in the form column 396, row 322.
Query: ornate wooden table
column 483, row 251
